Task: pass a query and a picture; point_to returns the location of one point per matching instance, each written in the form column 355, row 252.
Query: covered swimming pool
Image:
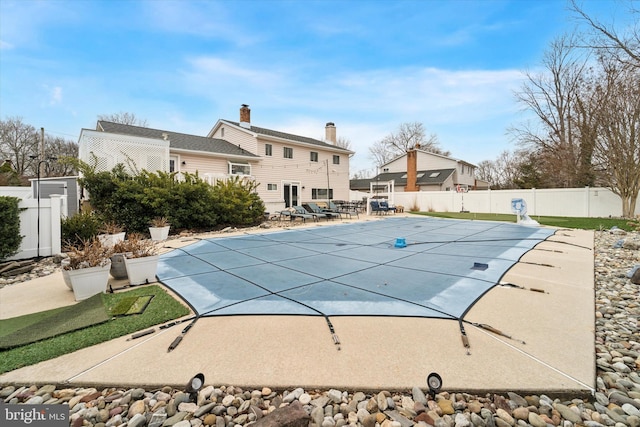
column 404, row 267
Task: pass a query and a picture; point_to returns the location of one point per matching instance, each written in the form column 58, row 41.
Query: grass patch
column 131, row 305
column 553, row 221
column 162, row 309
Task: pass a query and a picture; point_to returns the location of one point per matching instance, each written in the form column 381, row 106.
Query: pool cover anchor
column 334, row 336
column 179, row 338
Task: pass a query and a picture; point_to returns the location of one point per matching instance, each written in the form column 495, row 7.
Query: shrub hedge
column 132, row 200
column 10, row 237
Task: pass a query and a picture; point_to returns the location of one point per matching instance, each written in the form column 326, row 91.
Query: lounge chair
column 344, row 211
column 376, row 208
column 314, row 208
column 302, row 211
column 292, row 214
column 385, row 205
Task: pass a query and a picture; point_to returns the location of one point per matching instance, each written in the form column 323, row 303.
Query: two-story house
column 420, row 170
column 290, row 169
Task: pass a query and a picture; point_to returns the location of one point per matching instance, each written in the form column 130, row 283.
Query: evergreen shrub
column 10, row 237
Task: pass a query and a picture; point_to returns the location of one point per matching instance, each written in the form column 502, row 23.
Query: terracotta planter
column 159, row 233
column 87, row 282
column 142, row 270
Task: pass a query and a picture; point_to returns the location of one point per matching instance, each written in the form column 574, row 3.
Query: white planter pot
column 65, row 274
column 159, row 233
column 109, row 240
column 141, row 270
column 87, row 282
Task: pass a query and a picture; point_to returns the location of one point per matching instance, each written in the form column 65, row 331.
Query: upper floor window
column 314, row 156
column 336, row 160
column 239, row 169
column 268, row 150
column 288, row 153
column 221, row 132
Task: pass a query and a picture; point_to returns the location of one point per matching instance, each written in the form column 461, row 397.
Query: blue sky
column 367, row 66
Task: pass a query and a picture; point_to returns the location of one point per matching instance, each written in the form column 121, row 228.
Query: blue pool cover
column 410, row 266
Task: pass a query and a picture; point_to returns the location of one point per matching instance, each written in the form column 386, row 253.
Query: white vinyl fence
column 44, row 216
column 577, row 202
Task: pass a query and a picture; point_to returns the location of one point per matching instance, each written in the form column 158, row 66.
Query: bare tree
column 59, row 148
column 617, row 148
column 124, row 118
column 18, row 143
column 552, row 96
column 623, row 47
column 407, row 137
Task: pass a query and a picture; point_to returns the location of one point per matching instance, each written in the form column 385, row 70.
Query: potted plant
column 140, row 258
column 112, row 233
column 159, row 228
column 86, row 270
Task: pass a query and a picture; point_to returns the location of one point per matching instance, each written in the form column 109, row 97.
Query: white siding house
column 434, row 172
column 290, row 169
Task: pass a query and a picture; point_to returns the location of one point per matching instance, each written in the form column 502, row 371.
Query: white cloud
column 55, row 95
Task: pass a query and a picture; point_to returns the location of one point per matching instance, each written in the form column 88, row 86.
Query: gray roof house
column 289, row 169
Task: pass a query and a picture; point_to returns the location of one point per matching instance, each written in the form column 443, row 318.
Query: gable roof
column 431, row 153
column 424, row 177
column 289, row 136
column 177, row 140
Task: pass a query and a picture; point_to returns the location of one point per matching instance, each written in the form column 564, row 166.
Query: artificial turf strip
column 163, row 309
column 31, row 328
column 131, row 305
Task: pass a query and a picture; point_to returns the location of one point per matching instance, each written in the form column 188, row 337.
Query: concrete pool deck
column 551, row 309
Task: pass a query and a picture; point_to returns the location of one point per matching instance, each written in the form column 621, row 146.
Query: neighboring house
column 290, row 169
column 420, row 170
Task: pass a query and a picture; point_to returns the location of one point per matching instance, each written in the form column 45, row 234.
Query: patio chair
column 302, row 211
column 314, row 208
column 344, row 210
column 376, row 208
column 292, row 214
column 385, row 205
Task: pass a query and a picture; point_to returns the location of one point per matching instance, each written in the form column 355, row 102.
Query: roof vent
column 165, row 136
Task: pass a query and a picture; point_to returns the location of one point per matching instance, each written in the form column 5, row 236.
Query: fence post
column 586, row 201
column 56, row 226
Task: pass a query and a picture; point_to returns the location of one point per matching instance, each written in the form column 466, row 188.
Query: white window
column 272, row 187
column 313, row 156
column 239, row 169
column 221, row 132
column 336, row 160
column 434, row 174
column 288, row 153
column 321, row 193
column 268, row 150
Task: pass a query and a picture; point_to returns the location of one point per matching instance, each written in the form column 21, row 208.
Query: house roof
column 424, row 177
column 177, row 140
column 432, row 154
column 289, row 136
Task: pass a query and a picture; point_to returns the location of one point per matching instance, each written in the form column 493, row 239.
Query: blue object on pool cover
column 349, row 269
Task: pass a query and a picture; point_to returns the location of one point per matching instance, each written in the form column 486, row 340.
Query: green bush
column 134, row 199
column 237, row 202
column 10, row 237
column 81, row 227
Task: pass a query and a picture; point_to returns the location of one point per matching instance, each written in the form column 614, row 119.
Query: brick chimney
column 330, row 133
column 245, row 116
column 412, row 171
